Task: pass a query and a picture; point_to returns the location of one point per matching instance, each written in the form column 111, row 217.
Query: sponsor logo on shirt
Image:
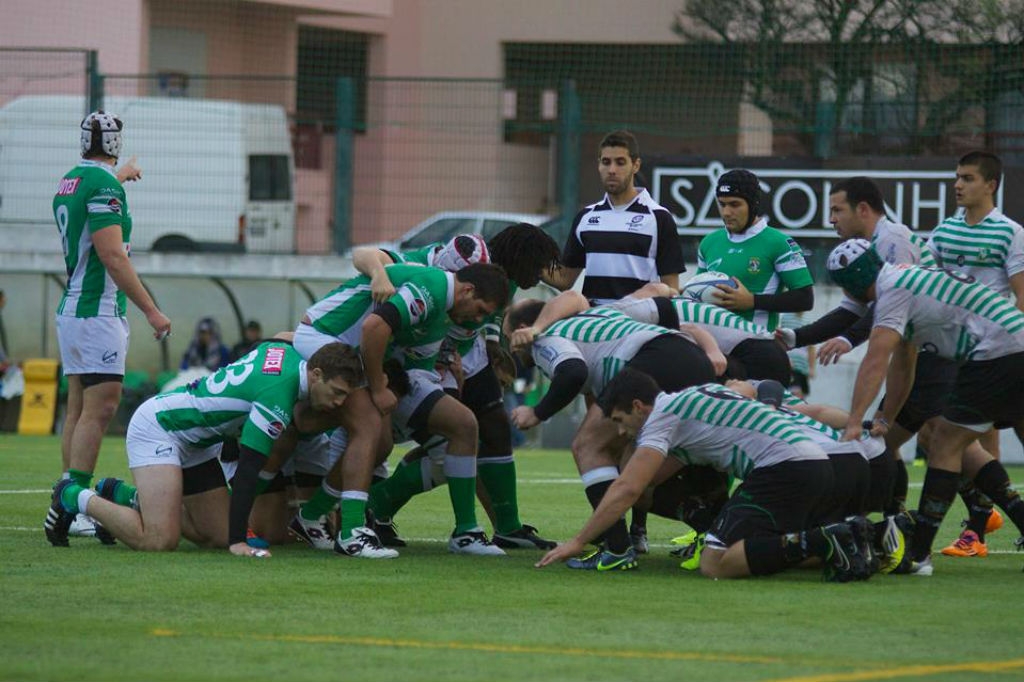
column 275, row 429
column 162, row 450
column 109, row 357
column 68, row 186
column 114, row 205
column 274, row 361
column 417, row 310
column 593, row 220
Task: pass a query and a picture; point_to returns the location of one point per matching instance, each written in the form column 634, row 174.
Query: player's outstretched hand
column 129, row 172
column 562, row 552
column 243, row 549
column 833, row 349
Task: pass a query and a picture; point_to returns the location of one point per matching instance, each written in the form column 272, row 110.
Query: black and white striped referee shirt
column 623, row 247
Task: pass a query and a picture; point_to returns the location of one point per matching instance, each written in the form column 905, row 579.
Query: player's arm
column 566, row 304
column 826, row 414
column 567, row 380
column 898, row 382
column 269, row 416
column 373, row 263
column 792, row 271
column 708, row 344
column 377, row 329
column 110, row 250
column 625, row 491
column 872, row 371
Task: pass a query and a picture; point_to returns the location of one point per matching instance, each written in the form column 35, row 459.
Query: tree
column 816, row 67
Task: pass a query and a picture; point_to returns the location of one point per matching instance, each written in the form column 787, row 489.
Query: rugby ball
column 701, row 288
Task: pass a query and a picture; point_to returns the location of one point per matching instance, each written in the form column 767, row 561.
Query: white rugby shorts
column 92, row 345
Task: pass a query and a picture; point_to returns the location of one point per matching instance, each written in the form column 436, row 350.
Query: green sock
column 388, row 496
column 82, row 478
column 499, row 478
column 124, row 494
column 323, row 501
column 69, row 497
column 460, row 470
column 353, row 512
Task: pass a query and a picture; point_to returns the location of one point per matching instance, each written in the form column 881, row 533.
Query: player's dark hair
column 629, row 384
column 523, row 314
column 989, row 165
column 620, row 138
column 339, row 360
column 524, row 251
column 490, row 282
column 861, row 189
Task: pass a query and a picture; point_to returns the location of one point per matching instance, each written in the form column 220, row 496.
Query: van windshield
column 269, row 179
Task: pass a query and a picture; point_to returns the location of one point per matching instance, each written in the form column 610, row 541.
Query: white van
column 215, row 175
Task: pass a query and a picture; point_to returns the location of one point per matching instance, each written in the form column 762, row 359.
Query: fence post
column 345, row 102
column 93, row 82
column 569, row 123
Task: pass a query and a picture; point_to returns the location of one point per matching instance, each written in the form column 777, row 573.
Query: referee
column 625, row 240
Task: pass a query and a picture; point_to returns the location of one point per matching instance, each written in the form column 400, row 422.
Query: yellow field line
column 490, row 648
column 909, row 671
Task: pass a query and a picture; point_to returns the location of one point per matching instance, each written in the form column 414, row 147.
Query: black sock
column 616, row 537
column 979, row 507
column 937, row 495
column 992, row 480
column 805, row 544
column 898, row 501
column 767, row 555
column 639, row 519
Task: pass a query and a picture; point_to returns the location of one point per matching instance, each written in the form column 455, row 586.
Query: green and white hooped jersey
column 991, row 251
column 90, row 198
column 423, row 296
column 604, row 338
column 830, row 439
column 763, row 258
column 251, row 399
column 947, row 313
column 711, row 425
column 894, row 243
column 726, row 327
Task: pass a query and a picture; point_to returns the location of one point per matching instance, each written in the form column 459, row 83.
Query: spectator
column 251, row 337
column 206, row 349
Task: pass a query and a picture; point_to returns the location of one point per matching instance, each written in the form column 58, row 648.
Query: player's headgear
column 743, row 184
column 771, row 392
column 460, row 251
column 854, row 266
column 101, row 134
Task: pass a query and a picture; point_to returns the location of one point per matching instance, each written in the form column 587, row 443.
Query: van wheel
column 174, row 242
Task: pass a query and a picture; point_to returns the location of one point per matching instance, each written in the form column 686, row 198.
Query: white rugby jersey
column 604, row 338
column 940, row 312
column 991, row 251
column 709, row 424
column 894, row 243
column 727, row 328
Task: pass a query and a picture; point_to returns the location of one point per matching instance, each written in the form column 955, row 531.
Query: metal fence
column 315, row 163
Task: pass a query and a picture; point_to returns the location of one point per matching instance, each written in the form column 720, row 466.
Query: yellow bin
column 39, row 402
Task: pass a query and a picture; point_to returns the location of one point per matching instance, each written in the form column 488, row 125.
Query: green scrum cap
column 854, row 265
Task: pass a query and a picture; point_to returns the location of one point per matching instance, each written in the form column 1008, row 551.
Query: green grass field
column 107, row 613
